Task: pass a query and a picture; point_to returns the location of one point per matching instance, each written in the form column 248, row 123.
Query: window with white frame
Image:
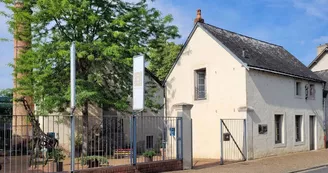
column 200, row 84
column 149, row 142
column 298, row 89
column 278, row 121
column 298, row 128
column 312, row 91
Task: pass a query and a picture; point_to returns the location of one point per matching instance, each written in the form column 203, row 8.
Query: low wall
column 147, row 167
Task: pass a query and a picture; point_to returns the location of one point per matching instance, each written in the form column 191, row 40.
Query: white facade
column 270, row 94
column 226, row 91
column 319, row 65
column 230, row 87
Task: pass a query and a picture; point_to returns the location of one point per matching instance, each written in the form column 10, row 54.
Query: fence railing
column 100, row 141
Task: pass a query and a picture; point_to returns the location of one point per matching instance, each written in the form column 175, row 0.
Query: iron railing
column 102, row 141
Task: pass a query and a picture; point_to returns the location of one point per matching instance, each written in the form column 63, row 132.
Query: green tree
column 162, row 58
column 107, row 34
column 6, row 105
column 6, row 93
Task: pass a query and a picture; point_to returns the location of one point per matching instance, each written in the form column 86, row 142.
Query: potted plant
column 149, row 155
column 58, row 156
column 93, row 161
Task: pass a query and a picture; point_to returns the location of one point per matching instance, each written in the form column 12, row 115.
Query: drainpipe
column 164, row 93
column 325, row 127
column 324, row 115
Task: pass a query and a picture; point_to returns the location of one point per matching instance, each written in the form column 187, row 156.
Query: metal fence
column 233, row 140
column 99, row 142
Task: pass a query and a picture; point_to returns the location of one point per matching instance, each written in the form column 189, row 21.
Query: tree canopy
column 6, row 105
column 163, row 58
column 107, row 34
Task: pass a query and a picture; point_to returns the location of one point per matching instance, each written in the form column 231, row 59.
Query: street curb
column 307, row 169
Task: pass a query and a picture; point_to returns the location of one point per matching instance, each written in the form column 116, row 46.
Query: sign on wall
column 138, row 82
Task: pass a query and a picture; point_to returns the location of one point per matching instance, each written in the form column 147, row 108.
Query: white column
column 183, row 110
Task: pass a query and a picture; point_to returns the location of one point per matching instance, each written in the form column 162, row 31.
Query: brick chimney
column 199, row 17
column 321, row 47
column 20, row 121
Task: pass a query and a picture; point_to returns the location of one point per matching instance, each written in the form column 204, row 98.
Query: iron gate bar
column 233, row 140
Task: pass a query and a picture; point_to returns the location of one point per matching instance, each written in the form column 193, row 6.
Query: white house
column 226, row 75
column 320, row 67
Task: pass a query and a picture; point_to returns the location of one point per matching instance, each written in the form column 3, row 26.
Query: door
column 311, row 132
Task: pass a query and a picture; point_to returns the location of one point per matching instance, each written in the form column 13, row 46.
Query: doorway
column 312, row 132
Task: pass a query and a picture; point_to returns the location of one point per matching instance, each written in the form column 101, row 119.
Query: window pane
column 278, row 128
column 200, row 87
column 201, row 81
column 149, row 142
column 201, row 95
column 298, row 127
column 298, row 88
column 312, row 90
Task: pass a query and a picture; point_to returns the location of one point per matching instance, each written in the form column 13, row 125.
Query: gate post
column 221, row 139
column 183, row 111
column 133, row 140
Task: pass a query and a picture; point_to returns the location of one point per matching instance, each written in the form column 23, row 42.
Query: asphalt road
column 318, row 170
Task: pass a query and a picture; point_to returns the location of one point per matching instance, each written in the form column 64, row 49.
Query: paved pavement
column 276, row 164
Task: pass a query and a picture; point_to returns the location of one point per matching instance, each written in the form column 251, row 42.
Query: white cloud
column 316, row 8
column 321, row 39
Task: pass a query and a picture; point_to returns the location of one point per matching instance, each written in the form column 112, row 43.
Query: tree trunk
column 85, row 130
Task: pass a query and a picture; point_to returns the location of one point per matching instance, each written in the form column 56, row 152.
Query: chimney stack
column 199, row 17
column 321, row 47
column 19, row 113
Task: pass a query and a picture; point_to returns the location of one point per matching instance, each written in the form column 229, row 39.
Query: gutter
column 285, row 74
column 324, row 115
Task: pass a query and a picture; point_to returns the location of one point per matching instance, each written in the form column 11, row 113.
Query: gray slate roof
column 323, row 74
column 261, row 54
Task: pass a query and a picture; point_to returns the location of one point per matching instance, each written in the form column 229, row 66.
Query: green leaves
column 163, row 58
column 107, row 35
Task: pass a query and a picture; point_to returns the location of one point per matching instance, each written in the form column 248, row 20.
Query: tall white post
column 73, row 70
column 184, row 110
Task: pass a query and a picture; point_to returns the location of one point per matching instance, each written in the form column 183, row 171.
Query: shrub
column 149, row 153
column 85, row 160
column 57, row 154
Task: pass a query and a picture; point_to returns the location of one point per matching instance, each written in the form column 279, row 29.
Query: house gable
column 198, row 25
column 320, row 62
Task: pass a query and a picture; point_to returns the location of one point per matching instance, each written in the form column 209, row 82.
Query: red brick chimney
column 199, row 17
column 20, row 122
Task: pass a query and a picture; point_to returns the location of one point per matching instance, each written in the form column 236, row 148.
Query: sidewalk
column 275, row 164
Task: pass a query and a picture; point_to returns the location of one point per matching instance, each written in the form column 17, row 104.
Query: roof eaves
column 317, row 59
column 286, row 74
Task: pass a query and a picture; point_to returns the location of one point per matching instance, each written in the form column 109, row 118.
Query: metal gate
column 233, row 140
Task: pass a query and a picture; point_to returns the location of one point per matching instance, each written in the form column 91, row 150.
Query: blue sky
column 297, row 25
